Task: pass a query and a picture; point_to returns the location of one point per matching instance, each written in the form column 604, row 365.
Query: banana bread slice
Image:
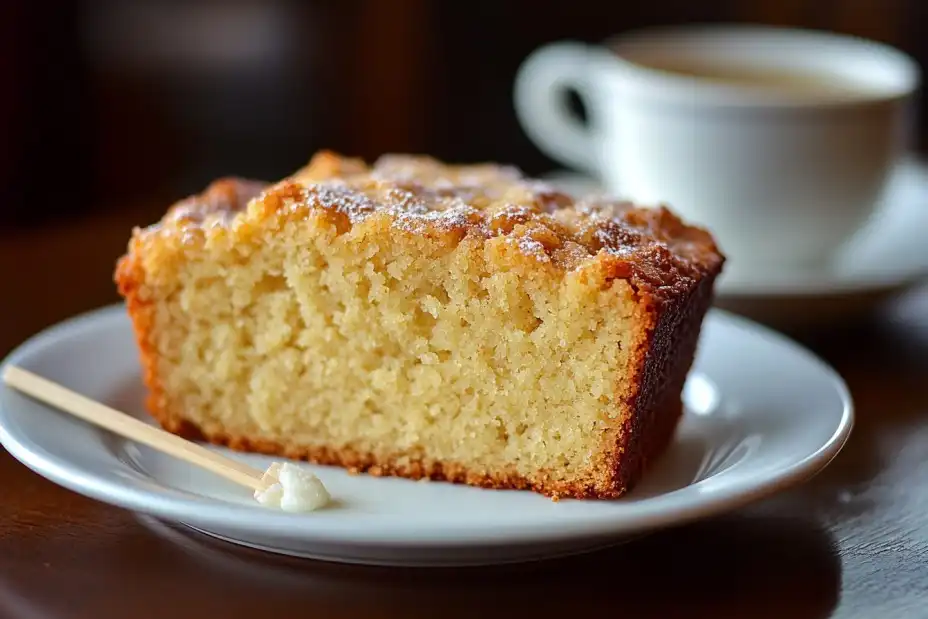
column 419, row 319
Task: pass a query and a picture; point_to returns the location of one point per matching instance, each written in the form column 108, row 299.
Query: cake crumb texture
column 414, row 318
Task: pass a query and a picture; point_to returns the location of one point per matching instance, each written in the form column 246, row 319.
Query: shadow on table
column 732, row 567
column 884, row 363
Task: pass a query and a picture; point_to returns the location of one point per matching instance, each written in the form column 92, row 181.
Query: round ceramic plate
column 762, row 414
column 885, row 258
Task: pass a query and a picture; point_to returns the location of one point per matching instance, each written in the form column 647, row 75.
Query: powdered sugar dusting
column 534, row 249
column 354, row 204
column 424, row 196
column 516, row 212
column 458, row 216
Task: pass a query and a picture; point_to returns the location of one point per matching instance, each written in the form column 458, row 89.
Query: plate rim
column 257, row 520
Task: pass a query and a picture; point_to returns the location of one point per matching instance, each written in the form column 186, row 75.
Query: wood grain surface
column 852, row 542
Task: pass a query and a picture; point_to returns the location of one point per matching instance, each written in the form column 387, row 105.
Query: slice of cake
column 412, row 318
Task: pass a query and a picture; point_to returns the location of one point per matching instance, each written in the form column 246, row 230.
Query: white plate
column 885, row 258
column 762, row 414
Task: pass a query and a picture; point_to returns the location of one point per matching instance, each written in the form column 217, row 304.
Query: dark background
column 113, row 109
column 115, row 103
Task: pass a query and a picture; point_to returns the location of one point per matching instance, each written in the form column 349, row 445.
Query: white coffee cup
column 783, row 176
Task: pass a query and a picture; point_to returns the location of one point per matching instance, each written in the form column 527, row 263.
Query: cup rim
column 901, row 73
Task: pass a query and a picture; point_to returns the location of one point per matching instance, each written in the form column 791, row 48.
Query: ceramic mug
column 780, row 141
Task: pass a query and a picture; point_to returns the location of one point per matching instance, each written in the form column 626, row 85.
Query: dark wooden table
column 852, row 542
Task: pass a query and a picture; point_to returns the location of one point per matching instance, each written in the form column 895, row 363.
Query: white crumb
column 292, row 489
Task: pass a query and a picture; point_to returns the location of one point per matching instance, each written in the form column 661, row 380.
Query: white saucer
column 763, row 414
column 888, row 256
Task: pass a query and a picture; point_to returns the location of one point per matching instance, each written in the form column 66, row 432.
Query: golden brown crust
column 220, row 201
column 129, row 279
column 650, row 247
column 663, row 361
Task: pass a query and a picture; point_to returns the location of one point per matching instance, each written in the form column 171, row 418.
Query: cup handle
column 540, row 100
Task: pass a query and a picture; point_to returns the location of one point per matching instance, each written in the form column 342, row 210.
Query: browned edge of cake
column 663, row 363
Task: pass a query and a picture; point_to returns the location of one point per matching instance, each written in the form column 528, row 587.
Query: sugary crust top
column 650, row 247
